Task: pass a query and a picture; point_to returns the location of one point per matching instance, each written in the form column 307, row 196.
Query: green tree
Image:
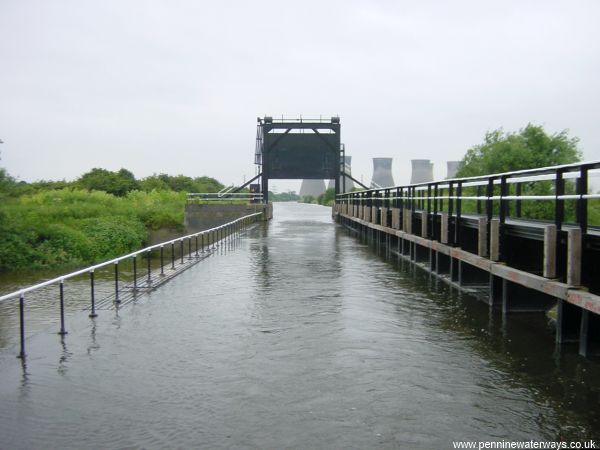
column 6, row 181
column 327, row 198
column 528, row 148
column 180, row 183
column 116, row 183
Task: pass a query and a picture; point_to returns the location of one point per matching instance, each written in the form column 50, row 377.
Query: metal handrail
column 217, row 196
column 89, row 269
column 542, row 171
column 217, row 233
column 440, row 195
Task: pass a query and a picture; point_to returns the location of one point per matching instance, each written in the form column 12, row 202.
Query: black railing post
column 582, row 203
column 457, row 221
column 518, row 189
column 196, row 243
column 478, row 200
column 62, row 331
column 181, row 249
column 450, row 211
column 117, row 300
column 559, row 204
column 135, row 272
column 202, row 242
column 22, row 325
column 434, row 234
column 502, row 215
column 93, row 295
column 189, row 248
column 489, row 203
column 429, row 215
column 172, row 255
column 162, row 260
column 149, row 277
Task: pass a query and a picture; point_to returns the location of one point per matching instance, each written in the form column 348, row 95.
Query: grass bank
column 73, row 227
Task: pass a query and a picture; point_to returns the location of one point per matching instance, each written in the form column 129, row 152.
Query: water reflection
column 64, row 357
column 519, row 348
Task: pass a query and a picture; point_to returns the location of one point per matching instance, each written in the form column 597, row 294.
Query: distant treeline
column 118, row 183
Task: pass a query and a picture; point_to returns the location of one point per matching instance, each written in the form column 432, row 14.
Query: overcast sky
column 176, row 86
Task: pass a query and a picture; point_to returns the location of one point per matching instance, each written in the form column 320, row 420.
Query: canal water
column 298, row 335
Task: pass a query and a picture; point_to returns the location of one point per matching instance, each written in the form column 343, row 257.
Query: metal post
column 93, row 297
column 457, row 220
column 62, row 331
column 434, row 234
column 503, row 214
column 582, row 189
column 135, row 273
column 489, row 203
column 149, row 254
column 117, row 300
column 162, row 260
column 196, row 243
column 173, row 255
column 22, row 325
column 181, row 248
column 189, row 248
column 450, row 212
column 202, row 242
column 559, row 205
column 518, row 189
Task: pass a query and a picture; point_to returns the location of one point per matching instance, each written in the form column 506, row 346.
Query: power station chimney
column 349, row 182
column 452, row 168
column 382, row 173
column 312, row 187
column 422, row 171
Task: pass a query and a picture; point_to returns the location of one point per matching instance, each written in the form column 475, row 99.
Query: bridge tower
column 298, row 149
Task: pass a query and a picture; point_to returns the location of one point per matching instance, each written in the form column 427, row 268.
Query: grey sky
column 176, row 86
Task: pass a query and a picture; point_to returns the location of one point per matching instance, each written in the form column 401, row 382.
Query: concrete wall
column 200, row 217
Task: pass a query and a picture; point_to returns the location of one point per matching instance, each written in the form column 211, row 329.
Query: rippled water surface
column 298, row 335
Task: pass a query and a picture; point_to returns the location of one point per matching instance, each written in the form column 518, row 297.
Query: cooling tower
column 422, row 171
column 382, row 173
column 349, row 182
column 452, row 168
column 312, row 187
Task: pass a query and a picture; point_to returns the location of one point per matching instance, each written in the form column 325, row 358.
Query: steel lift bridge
column 296, row 149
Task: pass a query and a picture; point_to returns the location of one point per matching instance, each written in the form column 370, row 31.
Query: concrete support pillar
column 495, row 240
column 367, row 212
column 396, row 218
column 424, row 220
column 550, row 251
column 384, row 217
column 482, row 249
column 408, row 220
column 444, row 228
column 574, row 257
column 374, row 212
